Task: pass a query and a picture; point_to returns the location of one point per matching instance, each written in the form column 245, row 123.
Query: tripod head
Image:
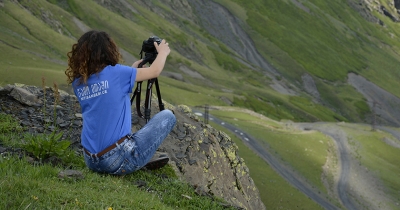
column 149, row 50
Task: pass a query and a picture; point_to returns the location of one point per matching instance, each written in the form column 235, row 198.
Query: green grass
column 178, row 92
column 45, row 190
column 275, row 192
column 327, row 43
column 49, row 40
column 162, row 189
column 378, row 156
column 304, row 152
column 28, row 53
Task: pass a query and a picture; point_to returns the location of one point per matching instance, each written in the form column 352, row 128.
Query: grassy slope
column 306, row 153
column 46, row 191
column 328, row 48
column 328, row 42
column 296, row 148
column 129, row 34
column 275, row 192
column 27, row 55
column 29, row 184
column 377, row 155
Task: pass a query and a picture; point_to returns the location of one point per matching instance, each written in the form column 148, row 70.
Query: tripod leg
column 137, row 92
column 133, row 96
column 160, row 103
column 147, row 109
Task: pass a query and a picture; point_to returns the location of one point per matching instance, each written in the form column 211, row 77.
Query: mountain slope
column 290, row 58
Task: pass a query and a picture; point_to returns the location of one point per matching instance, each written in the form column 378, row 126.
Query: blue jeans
column 136, row 151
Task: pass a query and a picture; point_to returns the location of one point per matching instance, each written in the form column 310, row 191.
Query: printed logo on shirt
column 95, row 90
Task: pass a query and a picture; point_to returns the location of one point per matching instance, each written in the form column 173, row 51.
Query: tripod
column 137, row 92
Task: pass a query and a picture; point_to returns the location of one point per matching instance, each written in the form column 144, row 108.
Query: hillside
column 298, row 165
column 201, row 157
column 286, row 60
column 294, row 62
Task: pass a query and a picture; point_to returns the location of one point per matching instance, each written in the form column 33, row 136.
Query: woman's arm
column 158, row 64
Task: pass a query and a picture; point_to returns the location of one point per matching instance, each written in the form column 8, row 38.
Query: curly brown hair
column 94, row 51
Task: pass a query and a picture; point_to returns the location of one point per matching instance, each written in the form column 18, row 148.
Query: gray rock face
column 24, row 96
column 397, row 4
column 202, row 156
column 208, row 160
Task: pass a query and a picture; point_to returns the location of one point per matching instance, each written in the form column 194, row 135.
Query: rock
column 184, row 108
column 209, row 161
column 2, row 149
column 397, row 4
column 3, row 91
column 9, row 87
column 73, row 174
column 140, row 183
column 24, row 96
column 388, row 14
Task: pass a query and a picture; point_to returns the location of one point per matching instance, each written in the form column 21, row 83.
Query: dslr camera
column 149, row 50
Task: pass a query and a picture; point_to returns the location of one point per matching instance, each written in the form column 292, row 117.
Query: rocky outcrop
column 397, row 4
column 366, row 7
column 202, row 156
column 208, row 159
column 388, row 14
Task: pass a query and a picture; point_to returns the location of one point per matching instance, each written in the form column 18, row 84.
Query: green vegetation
column 34, row 44
column 378, row 156
column 275, row 192
column 305, row 152
column 159, row 189
column 44, row 146
column 327, row 40
column 8, row 125
column 141, row 190
column 227, row 61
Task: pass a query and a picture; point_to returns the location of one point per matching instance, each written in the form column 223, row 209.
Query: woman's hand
column 163, row 48
column 136, row 64
column 155, row 69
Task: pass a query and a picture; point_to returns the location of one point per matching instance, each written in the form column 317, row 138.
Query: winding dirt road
column 340, row 139
column 350, row 184
column 287, row 174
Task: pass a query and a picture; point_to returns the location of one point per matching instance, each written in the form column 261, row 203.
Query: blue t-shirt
column 106, row 107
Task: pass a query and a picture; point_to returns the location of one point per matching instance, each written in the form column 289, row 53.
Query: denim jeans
column 136, row 151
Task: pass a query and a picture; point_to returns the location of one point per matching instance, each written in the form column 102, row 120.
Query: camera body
column 149, row 49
